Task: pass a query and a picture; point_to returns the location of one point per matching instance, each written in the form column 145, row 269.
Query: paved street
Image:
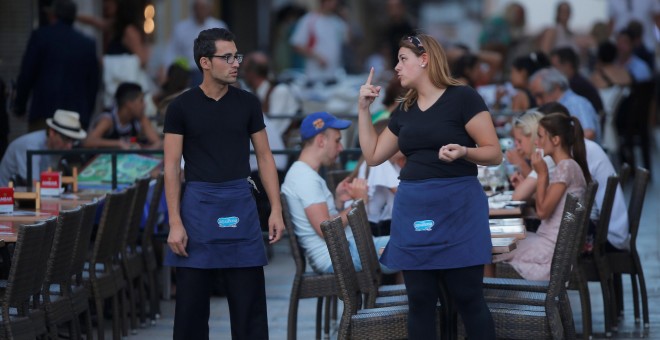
column 280, row 271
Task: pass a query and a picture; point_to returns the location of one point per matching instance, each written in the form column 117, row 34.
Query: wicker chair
column 578, row 279
column 374, row 323
column 624, row 174
column 513, row 302
column 370, row 276
column 103, row 276
column 146, row 248
column 23, row 316
column 628, row 262
column 593, row 266
column 131, row 258
column 57, row 285
column 79, row 293
column 305, row 284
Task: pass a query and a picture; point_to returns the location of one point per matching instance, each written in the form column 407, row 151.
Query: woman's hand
column 516, row 178
column 538, row 163
column 368, row 92
column 515, row 157
column 451, row 152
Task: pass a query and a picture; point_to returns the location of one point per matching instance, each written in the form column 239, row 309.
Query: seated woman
column 524, row 135
column 126, row 126
column 561, row 138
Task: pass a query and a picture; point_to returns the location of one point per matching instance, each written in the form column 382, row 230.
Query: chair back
column 588, row 201
column 123, row 221
column 345, row 274
column 370, row 280
column 83, row 239
column 135, row 211
column 603, row 226
column 61, row 254
column 624, row 174
column 566, row 248
column 112, row 217
column 152, row 217
column 28, row 265
column 636, row 203
column 44, row 254
column 296, row 248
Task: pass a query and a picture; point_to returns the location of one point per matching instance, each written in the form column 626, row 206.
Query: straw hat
column 67, row 123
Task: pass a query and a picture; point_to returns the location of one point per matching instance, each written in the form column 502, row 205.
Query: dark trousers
column 246, row 295
column 464, row 287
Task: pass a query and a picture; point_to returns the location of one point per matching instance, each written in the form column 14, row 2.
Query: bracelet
column 465, row 154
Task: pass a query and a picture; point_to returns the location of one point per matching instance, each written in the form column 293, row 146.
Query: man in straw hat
column 63, row 129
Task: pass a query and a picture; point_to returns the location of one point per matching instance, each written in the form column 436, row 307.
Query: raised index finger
column 371, row 75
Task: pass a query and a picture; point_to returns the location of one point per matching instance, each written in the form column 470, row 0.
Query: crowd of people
column 580, row 106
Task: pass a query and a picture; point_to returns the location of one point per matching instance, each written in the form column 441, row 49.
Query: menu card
column 51, row 182
column 6, row 200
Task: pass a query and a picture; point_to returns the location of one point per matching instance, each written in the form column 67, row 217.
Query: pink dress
column 533, row 255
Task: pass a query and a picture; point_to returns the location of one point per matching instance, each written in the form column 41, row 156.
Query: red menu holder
column 6, row 200
column 51, row 183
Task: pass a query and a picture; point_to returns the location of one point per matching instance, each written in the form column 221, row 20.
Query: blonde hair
column 438, row 67
column 528, row 124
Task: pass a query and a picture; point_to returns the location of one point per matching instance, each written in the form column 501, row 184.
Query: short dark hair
column 531, row 62
column 126, row 92
column 65, row 11
column 259, row 68
column 205, row 42
column 553, row 107
column 607, row 52
column 636, row 29
column 567, row 55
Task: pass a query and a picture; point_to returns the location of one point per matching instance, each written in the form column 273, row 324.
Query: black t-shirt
column 216, row 134
column 422, row 133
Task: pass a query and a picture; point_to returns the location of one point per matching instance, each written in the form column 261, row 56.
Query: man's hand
column 357, row 189
column 178, row 239
column 275, row 227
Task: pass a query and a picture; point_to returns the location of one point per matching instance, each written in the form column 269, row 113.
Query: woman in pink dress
column 560, row 137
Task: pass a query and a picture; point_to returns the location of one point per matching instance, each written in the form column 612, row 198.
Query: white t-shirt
column 382, row 178
column 600, row 168
column 303, row 186
column 329, row 33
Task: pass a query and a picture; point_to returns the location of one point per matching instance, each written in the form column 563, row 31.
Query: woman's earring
column 422, row 65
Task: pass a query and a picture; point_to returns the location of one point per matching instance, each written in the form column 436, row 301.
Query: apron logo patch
column 425, row 225
column 227, row 222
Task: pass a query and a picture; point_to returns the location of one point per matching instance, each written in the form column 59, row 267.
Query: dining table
column 50, row 206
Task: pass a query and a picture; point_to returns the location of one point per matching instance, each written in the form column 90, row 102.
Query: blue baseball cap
column 318, row 122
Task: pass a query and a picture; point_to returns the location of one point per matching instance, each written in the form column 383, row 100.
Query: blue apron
column 439, row 223
column 223, row 228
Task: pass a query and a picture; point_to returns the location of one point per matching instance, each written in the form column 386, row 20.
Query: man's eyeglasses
column 418, row 43
column 229, row 58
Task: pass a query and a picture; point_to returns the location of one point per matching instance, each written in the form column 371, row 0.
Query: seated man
column 309, row 198
column 126, row 126
column 62, row 130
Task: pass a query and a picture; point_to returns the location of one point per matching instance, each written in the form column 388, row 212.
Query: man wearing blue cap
column 310, row 200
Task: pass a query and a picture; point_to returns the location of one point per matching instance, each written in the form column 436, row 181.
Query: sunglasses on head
column 413, row 39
